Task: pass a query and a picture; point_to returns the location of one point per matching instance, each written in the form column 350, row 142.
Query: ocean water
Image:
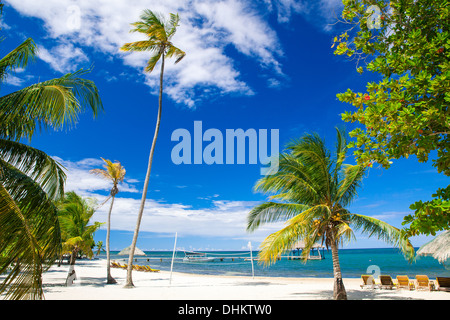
column 353, row 262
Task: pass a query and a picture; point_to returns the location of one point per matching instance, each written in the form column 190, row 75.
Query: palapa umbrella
column 126, row 251
column 438, row 248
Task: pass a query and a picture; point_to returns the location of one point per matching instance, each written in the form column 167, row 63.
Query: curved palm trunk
column 339, row 292
column 71, row 275
column 129, row 282
column 110, row 279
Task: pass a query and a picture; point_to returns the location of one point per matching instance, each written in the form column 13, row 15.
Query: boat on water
column 196, row 257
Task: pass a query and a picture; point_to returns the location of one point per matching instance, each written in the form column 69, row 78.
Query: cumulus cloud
column 222, row 218
column 63, row 58
column 80, row 180
column 207, row 29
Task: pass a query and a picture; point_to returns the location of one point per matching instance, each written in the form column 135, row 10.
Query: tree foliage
column 310, row 192
column 30, row 180
column 406, row 112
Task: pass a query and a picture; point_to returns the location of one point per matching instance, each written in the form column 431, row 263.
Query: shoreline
column 91, row 285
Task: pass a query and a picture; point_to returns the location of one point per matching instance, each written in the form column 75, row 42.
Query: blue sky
column 249, row 64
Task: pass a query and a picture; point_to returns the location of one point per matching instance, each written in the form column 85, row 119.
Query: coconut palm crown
column 311, row 191
column 115, row 173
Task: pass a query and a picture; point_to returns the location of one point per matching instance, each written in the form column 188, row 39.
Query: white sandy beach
column 91, row 285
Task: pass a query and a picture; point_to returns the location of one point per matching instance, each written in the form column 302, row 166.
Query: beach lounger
column 137, row 267
column 386, row 282
column 403, row 282
column 149, row 269
column 443, row 283
column 368, row 282
column 423, row 283
column 143, row 268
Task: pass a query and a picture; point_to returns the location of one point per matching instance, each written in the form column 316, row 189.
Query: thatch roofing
column 126, row 251
column 438, row 248
column 301, row 245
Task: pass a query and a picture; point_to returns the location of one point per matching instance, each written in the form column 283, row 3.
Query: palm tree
column 30, row 180
column 159, row 33
column 312, row 190
column 100, row 247
column 74, row 215
column 116, row 173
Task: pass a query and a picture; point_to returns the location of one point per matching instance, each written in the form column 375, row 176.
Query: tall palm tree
column 159, row 33
column 312, row 190
column 30, row 180
column 77, row 233
column 115, row 173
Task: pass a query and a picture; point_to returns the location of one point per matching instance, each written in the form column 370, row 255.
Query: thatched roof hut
column 126, row 251
column 301, row 245
column 438, row 248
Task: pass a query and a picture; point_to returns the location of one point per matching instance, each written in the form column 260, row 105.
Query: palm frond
column 113, row 171
column 347, row 186
column 37, row 165
column 293, row 179
column 278, row 242
column 171, row 26
column 30, row 236
column 140, row 46
column 175, row 52
column 272, row 212
column 54, row 103
column 311, row 151
column 151, row 24
column 383, row 231
column 152, row 62
column 18, row 58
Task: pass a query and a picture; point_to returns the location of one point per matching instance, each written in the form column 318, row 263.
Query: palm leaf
column 54, row 103
column 152, row 62
column 30, row 235
column 347, row 187
column 383, row 231
column 140, row 46
column 37, row 165
column 278, row 242
column 272, row 212
column 171, row 26
column 175, row 52
column 17, row 58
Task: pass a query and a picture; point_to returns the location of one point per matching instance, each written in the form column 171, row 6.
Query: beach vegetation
column 310, row 193
column 159, row 32
column 406, row 112
column 77, row 231
column 31, row 180
column 114, row 172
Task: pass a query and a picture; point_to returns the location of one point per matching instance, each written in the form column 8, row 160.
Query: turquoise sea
column 354, row 263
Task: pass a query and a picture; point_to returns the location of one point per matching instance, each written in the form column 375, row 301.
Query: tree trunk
column 339, row 292
column 71, row 276
column 109, row 278
column 129, row 282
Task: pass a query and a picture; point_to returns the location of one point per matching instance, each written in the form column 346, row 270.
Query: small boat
column 196, row 257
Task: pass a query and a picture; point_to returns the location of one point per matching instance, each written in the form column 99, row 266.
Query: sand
column 91, row 285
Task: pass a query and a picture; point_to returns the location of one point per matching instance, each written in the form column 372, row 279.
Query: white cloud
column 63, row 58
column 80, row 180
column 321, row 12
column 14, row 81
column 223, row 218
column 207, row 29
